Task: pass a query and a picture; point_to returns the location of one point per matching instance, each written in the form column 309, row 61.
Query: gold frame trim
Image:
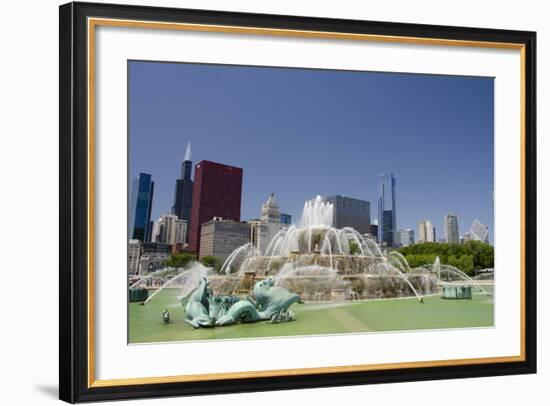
column 94, row 22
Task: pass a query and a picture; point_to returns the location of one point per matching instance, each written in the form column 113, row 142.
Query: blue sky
column 302, row 132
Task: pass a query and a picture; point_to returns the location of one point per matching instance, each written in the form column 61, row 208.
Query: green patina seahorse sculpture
column 272, row 303
column 196, row 309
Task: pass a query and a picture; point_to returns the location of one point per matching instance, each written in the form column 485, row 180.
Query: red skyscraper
column 216, row 193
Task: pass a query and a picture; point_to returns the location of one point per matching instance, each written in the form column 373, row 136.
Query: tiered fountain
column 322, row 263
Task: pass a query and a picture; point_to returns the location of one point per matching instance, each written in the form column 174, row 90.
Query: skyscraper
column 479, row 231
column 426, row 232
column 404, row 237
column 450, row 223
column 169, row 229
column 350, row 212
column 387, row 210
column 271, row 220
column 183, row 195
column 141, row 202
column 216, row 193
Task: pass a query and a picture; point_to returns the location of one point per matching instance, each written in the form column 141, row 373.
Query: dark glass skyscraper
column 386, row 210
column 141, row 202
column 216, row 193
column 183, row 195
column 350, row 212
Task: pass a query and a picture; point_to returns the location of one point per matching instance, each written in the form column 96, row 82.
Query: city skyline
column 272, row 164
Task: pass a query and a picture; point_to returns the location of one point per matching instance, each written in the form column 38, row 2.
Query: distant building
column 216, row 193
column 255, row 231
column 134, row 254
column 350, row 212
column 141, row 203
column 466, row 237
column 426, row 232
column 262, row 231
column 169, row 229
column 219, row 238
column 374, row 231
column 387, row 210
column 405, row 237
column 271, row 221
column 450, row 224
column 153, row 256
column 183, row 194
column 286, row 219
column 479, row 231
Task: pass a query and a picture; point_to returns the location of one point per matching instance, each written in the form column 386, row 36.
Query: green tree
column 353, row 248
column 469, row 257
column 212, row 262
column 179, row 260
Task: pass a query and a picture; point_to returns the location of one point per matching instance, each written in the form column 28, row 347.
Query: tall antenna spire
column 188, row 152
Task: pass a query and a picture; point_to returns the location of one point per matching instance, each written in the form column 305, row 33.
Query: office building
column 387, row 210
column 404, row 237
column 479, row 231
column 450, row 224
column 183, row 195
column 374, row 231
column 270, row 221
column 220, row 237
column 134, row 254
column 350, row 212
column 169, row 229
column 216, row 193
column 255, row 231
column 141, row 203
column 426, row 232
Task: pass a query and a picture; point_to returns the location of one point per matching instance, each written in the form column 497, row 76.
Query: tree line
column 469, row 257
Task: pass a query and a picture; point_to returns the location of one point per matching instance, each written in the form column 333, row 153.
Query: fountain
column 455, row 283
column 186, row 279
column 322, row 263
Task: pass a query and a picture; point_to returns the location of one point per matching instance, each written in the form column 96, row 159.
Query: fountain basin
column 456, row 292
column 138, row 294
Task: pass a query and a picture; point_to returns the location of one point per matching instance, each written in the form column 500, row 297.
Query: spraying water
column 189, row 279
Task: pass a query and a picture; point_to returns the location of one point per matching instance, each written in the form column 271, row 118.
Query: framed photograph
column 257, row 202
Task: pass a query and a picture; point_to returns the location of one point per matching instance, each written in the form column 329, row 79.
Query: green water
column 315, row 318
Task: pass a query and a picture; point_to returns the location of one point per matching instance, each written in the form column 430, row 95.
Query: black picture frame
column 74, row 385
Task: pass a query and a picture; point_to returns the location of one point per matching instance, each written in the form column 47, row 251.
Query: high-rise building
column 404, row 237
column 479, row 231
column 374, row 230
column 450, row 224
column 387, row 210
column 141, row 203
column 216, row 193
column 270, row 221
column 426, row 232
column 169, row 229
column 350, row 212
column 134, row 254
column 286, row 219
column 183, row 195
column 255, row 231
column 219, row 238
